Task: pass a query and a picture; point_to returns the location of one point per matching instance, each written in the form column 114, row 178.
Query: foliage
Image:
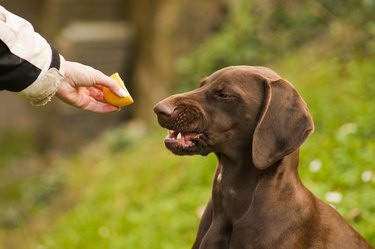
column 126, row 191
column 259, row 32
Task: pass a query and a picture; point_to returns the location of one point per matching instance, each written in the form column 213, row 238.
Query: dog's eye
column 223, row 95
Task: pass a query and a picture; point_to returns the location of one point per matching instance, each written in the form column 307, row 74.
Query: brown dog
column 255, row 122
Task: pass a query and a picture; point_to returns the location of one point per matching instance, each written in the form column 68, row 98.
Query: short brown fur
column 255, row 122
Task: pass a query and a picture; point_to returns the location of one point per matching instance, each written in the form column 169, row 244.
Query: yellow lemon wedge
column 114, row 99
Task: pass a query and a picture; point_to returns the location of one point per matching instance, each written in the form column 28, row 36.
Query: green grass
column 127, row 191
column 139, row 196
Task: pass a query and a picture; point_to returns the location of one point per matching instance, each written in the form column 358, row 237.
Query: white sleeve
column 29, row 65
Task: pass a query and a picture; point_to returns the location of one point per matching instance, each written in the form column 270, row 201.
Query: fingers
column 85, row 98
column 97, row 102
column 99, row 107
column 93, row 101
column 83, row 88
column 110, row 83
column 96, row 93
column 82, row 75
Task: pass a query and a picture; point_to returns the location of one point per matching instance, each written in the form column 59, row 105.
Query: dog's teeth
column 179, row 135
column 170, row 132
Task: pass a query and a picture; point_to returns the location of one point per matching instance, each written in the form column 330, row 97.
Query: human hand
column 83, row 88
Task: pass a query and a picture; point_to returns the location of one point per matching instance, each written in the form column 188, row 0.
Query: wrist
column 62, row 65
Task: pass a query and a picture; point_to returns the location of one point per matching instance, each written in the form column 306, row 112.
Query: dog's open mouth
column 183, row 143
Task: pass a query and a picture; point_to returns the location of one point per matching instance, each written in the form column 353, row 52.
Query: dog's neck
column 236, row 168
column 240, row 183
column 280, row 183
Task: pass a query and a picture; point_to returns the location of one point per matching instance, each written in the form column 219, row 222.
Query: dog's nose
column 164, row 109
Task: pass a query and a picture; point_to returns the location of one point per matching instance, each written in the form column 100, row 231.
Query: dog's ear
column 283, row 125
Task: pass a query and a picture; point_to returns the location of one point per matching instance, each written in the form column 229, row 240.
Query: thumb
column 109, row 82
column 82, row 75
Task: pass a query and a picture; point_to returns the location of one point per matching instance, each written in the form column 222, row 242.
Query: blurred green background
column 70, row 179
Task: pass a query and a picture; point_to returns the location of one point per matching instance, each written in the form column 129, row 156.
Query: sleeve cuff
column 44, row 88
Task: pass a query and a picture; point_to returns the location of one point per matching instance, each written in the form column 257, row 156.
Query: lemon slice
column 114, row 99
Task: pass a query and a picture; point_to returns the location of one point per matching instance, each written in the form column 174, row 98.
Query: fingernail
column 122, row 92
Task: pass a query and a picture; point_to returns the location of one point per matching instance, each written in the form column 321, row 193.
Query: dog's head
column 237, row 110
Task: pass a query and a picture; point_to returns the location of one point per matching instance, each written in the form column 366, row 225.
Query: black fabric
column 15, row 73
column 55, row 62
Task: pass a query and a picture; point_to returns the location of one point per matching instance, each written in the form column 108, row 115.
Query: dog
column 254, row 121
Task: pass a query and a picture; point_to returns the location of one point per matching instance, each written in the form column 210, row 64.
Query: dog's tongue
column 190, row 136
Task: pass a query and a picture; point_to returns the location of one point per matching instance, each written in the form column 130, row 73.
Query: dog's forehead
column 234, row 72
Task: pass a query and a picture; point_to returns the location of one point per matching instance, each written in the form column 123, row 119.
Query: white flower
column 349, row 128
column 334, row 197
column 367, row 176
column 315, row 165
column 103, row 231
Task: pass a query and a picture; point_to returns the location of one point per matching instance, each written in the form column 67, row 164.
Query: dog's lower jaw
column 195, row 146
